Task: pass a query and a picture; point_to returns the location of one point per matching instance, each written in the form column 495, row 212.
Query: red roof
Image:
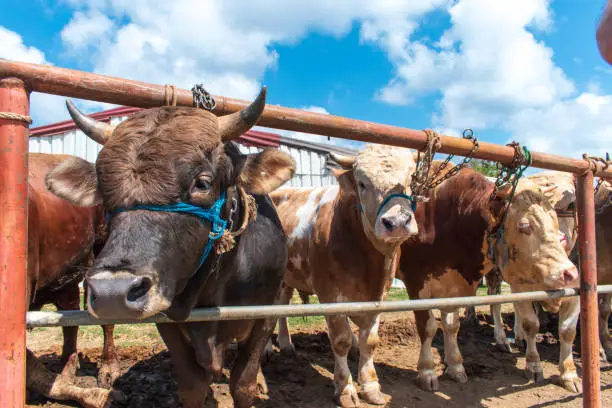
column 251, row 138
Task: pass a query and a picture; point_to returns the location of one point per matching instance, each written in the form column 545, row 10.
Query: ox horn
column 96, row 130
column 234, row 125
column 344, row 161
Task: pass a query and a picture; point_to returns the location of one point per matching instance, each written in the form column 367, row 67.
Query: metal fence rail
column 18, row 79
column 82, row 318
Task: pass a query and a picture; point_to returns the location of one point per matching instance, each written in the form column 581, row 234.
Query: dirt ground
column 496, row 379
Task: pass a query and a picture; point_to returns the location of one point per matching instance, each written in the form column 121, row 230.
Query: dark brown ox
column 450, row 259
column 343, row 245
column 61, row 240
column 164, row 159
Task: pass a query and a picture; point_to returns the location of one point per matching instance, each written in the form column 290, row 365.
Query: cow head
column 531, row 254
column 560, row 190
column 160, row 157
column 379, row 177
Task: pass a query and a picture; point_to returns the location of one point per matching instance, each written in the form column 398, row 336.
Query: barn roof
column 256, row 138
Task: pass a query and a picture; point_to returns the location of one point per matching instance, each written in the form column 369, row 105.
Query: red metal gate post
column 588, row 291
column 13, row 239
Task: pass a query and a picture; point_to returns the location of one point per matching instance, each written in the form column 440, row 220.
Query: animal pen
column 17, row 80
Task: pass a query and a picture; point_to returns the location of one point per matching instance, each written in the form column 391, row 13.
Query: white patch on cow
column 307, row 214
column 330, row 195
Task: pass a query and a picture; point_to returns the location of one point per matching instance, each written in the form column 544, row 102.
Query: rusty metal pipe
column 82, row 318
column 84, row 85
column 589, row 333
column 13, row 242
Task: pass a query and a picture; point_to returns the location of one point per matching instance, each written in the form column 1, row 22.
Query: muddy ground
column 496, row 379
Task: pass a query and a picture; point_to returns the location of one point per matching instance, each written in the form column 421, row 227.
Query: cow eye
column 525, row 227
column 362, row 185
column 202, row 183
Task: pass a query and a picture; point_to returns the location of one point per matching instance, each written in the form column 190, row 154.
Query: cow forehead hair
column 527, row 194
column 564, row 194
column 385, row 165
column 139, row 162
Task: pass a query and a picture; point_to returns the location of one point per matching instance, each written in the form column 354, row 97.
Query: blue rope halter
column 413, row 203
column 212, row 214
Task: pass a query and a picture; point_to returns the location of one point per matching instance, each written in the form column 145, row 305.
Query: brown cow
column 450, row 259
column 61, row 238
column 343, row 243
column 603, row 226
column 191, row 225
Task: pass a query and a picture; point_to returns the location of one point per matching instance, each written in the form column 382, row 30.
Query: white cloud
column 492, row 73
column 44, row 108
column 227, row 45
column 85, row 29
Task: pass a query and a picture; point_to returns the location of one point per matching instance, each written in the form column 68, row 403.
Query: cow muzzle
column 123, row 295
column 566, row 276
column 395, row 218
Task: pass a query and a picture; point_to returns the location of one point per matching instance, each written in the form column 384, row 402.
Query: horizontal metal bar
column 82, row 318
column 85, row 85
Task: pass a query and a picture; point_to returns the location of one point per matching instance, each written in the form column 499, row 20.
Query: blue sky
column 510, row 69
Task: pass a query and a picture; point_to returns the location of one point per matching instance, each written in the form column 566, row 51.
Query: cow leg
column 193, row 381
column 109, row 370
column 246, row 374
column 530, row 326
column 368, row 341
column 427, row 327
column 452, row 354
column 604, row 336
column 568, row 319
column 68, row 299
column 60, row 387
column 519, row 335
column 340, row 336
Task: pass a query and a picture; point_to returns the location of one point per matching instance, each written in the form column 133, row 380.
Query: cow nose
column 570, row 275
column 389, row 223
column 393, row 222
column 114, row 297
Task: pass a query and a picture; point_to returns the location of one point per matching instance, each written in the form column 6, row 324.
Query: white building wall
column 310, row 164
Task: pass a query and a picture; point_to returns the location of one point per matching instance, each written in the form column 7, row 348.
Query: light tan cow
column 344, row 246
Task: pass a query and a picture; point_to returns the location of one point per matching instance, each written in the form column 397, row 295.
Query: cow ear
column 75, row 180
column 346, row 180
column 264, row 172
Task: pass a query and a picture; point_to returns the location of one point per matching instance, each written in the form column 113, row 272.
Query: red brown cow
column 61, row 238
column 343, row 245
column 450, row 258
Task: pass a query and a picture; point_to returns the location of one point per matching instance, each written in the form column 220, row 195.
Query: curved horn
column 233, row 125
column 344, row 161
column 96, row 130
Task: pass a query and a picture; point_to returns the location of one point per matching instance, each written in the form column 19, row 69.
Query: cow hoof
column 348, row 398
column 534, row 375
column 607, row 354
column 503, row 347
column 571, row 383
column 108, row 373
column 100, row 398
column 71, row 366
column 374, row 397
column 428, row 381
column 457, row 373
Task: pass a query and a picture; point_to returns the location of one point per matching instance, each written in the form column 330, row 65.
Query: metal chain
column 469, row 135
column 202, row 99
column 511, row 174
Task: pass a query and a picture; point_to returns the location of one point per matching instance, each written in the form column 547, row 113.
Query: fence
column 17, row 79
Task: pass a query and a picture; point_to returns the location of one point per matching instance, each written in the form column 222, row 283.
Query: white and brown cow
column 562, row 195
column 343, row 245
column 450, row 258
